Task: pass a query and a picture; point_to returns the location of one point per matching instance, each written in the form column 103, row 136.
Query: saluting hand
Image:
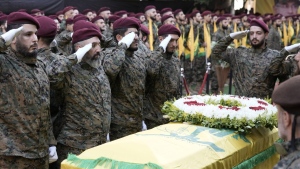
column 9, row 36
column 238, row 35
column 164, row 43
column 128, row 39
column 82, row 51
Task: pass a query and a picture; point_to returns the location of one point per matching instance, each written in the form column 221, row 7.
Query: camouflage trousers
column 63, row 151
column 118, row 131
column 15, row 162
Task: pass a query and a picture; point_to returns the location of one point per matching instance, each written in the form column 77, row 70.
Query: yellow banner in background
column 181, row 146
column 264, row 6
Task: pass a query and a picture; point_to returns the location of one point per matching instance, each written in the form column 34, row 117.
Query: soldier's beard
column 24, row 51
column 224, row 27
column 94, row 61
column 258, row 45
column 278, row 25
column 153, row 18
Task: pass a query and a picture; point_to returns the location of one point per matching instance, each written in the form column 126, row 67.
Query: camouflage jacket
column 64, row 43
column 87, row 102
column 290, row 158
column 161, row 86
column 25, row 124
column 255, row 71
column 127, row 73
column 274, row 39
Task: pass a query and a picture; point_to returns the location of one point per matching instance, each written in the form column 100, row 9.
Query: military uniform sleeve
column 113, row 61
column 278, row 67
column 57, row 69
column 220, row 50
column 52, row 140
column 3, row 47
column 153, row 62
column 64, row 39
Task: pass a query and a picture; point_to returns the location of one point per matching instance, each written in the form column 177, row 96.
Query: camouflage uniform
column 87, row 102
column 127, row 86
column 64, row 43
column 25, row 124
column 13, row 162
column 160, row 87
column 254, row 70
column 215, row 38
column 274, row 39
column 155, row 32
column 194, row 71
column 107, row 41
column 56, row 95
column 289, row 158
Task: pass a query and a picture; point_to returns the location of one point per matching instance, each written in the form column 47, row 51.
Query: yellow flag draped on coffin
column 151, row 38
column 207, row 40
column 180, row 42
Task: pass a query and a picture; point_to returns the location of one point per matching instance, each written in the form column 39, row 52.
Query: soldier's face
column 105, row 14
column 94, row 53
column 257, row 36
column 90, row 15
column 297, row 59
column 170, row 21
column 142, row 18
column 134, row 44
column 173, row 44
column 101, row 24
column 284, row 122
column 26, row 42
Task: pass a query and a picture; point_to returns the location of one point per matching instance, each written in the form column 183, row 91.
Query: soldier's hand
column 292, row 48
column 128, row 39
column 238, row 35
column 82, row 51
column 52, row 154
column 164, row 43
column 9, row 36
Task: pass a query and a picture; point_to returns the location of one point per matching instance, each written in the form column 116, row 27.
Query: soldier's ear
column 119, row 37
column 160, row 38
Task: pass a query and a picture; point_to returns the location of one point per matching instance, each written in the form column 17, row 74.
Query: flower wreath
column 222, row 111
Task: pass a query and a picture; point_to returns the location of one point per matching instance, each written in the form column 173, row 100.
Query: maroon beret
column 164, row 10
column 138, row 15
column 177, row 11
column 3, row 17
column 266, row 14
column 275, row 18
column 53, row 17
column 267, row 19
column 131, row 14
column 103, row 9
column 220, row 19
column 113, row 18
column 165, row 17
column 48, row 27
column 84, row 12
column 193, row 14
column 59, row 13
column 69, row 21
column 227, row 15
column 80, row 17
column 66, row 9
column 84, row 24
column 236, row 17
column 168, row 29
column 22, row 10
column 97, row 18
column 144, row 29
column 35, row 11
column 22, row 18
column 128, row 22
column 120, row 13
column 259, row 23
column 149, row 7
column 205, row 13
column 279, row 15
column 84, row 34
column 287, row 95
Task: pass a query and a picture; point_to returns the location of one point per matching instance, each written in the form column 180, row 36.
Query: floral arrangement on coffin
column 222, row 111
